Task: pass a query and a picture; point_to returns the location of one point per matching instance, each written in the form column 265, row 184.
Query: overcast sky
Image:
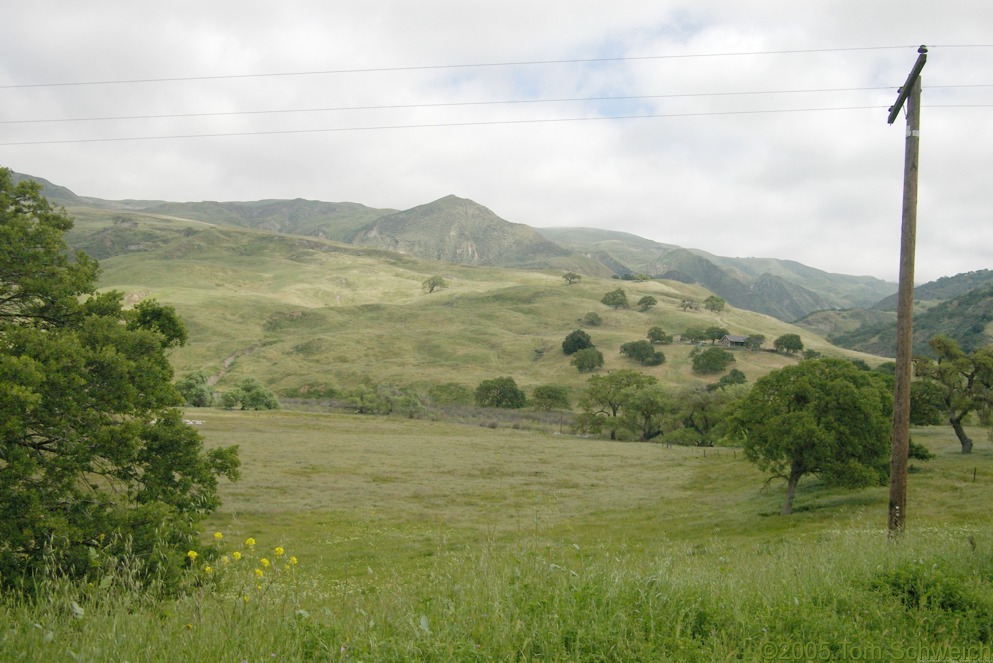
column 629, row 115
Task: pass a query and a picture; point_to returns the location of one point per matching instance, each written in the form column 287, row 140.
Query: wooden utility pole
column 910, row 93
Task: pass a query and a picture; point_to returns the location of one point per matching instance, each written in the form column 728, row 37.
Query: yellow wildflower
column 237, row 555
column 249, row 542
column 225, row 560
column 279, row 551
column 207, row 569
column 192, row 555
column 293, row 560
column 218, row 536
column 265, row 562
column 259, row 573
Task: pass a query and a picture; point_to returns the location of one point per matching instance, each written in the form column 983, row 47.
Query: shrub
column 576, row 341
column 500, row 392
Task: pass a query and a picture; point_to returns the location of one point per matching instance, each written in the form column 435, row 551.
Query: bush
column 576, row 341
column 500, row 392
column 195, row 389
column 592, row 319
column 250, row 394
column 712, row 360
column 587, row 360
column 550, row 397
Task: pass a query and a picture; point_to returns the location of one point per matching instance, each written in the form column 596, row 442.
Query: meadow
column 391, row 540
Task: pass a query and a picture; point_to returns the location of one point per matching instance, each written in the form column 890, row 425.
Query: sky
column 745, row 129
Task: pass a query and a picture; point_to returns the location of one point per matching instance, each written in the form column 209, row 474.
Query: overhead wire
column 369, row 70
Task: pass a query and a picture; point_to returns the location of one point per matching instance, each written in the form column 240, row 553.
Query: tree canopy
column 960, row 382
column 788, row 343
column 94, row 455
column 714, row 303
column 575, row 341
column 587, row 360
column 500, row 392
column 434, row 283
column 615, row 299
column 823, row 417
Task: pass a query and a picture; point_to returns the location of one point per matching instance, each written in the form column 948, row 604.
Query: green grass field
column 422, row 540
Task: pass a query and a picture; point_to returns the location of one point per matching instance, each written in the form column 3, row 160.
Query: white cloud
column 822, row 187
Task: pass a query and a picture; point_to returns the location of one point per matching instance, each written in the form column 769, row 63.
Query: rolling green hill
column 307, row 313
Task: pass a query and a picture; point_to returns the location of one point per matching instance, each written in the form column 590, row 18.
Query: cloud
column 707, row 171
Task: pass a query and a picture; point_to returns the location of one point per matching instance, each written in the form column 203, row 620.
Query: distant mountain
column 461, row 231
column 784, row 289
column 947, row 287
column 965, row 319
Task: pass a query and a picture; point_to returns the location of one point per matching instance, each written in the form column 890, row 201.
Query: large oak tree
column 95, row 459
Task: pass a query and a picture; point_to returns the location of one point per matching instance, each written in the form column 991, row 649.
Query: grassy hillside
column 309, row 313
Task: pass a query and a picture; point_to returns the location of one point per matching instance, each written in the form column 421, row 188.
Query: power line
column 522, row 63
column 431, row 126
column 439, row 105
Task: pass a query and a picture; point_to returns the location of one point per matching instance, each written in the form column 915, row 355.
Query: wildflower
column 258, row 587
column 225, row 560
column 192, row 555
column 237, row 555
column 265, row 562
column 293, row 560
column 249, row 542
column 259, row 573
column 189, row 627
column 208, row 569
column 279, row 551
column 218, row 536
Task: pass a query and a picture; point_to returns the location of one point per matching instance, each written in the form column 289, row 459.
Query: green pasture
column 419, row 540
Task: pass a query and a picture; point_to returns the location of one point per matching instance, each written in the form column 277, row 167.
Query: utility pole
column 910, row 93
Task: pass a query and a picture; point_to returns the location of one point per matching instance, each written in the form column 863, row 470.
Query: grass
column 424, row 540
column 294, row 312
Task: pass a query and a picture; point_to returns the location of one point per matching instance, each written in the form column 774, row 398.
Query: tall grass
column 837, row 595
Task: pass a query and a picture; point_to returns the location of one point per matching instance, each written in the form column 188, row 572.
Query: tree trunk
column 791, row 483
column 956, row 423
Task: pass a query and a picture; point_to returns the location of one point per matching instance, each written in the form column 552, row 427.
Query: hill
column 947, row 287
column 461, row 231
column 307, row 314
column 784, row 289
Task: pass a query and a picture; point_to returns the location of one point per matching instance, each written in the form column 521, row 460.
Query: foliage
column 92, row 445
column 926, row 403
column 733, row 377
column 646, row 303
column 615, row 299
column 195, row 389
column 575, row 341
column 644, row 352
column 648, row 411
column 550, row 397
column 657, row 336
column 822, row 417
column 592, row 319
column 689, row 305
column 434, row 283
column 501, row 392
column 694, row 334
column 604, row 396
column 788, row 343
column 714, row 303
column 755, row 341
column 712, row 360
column 704, row 415
column 572, row 277
column 587, row 360
column 965, row 382
column 714, row 334
column 250, row 394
